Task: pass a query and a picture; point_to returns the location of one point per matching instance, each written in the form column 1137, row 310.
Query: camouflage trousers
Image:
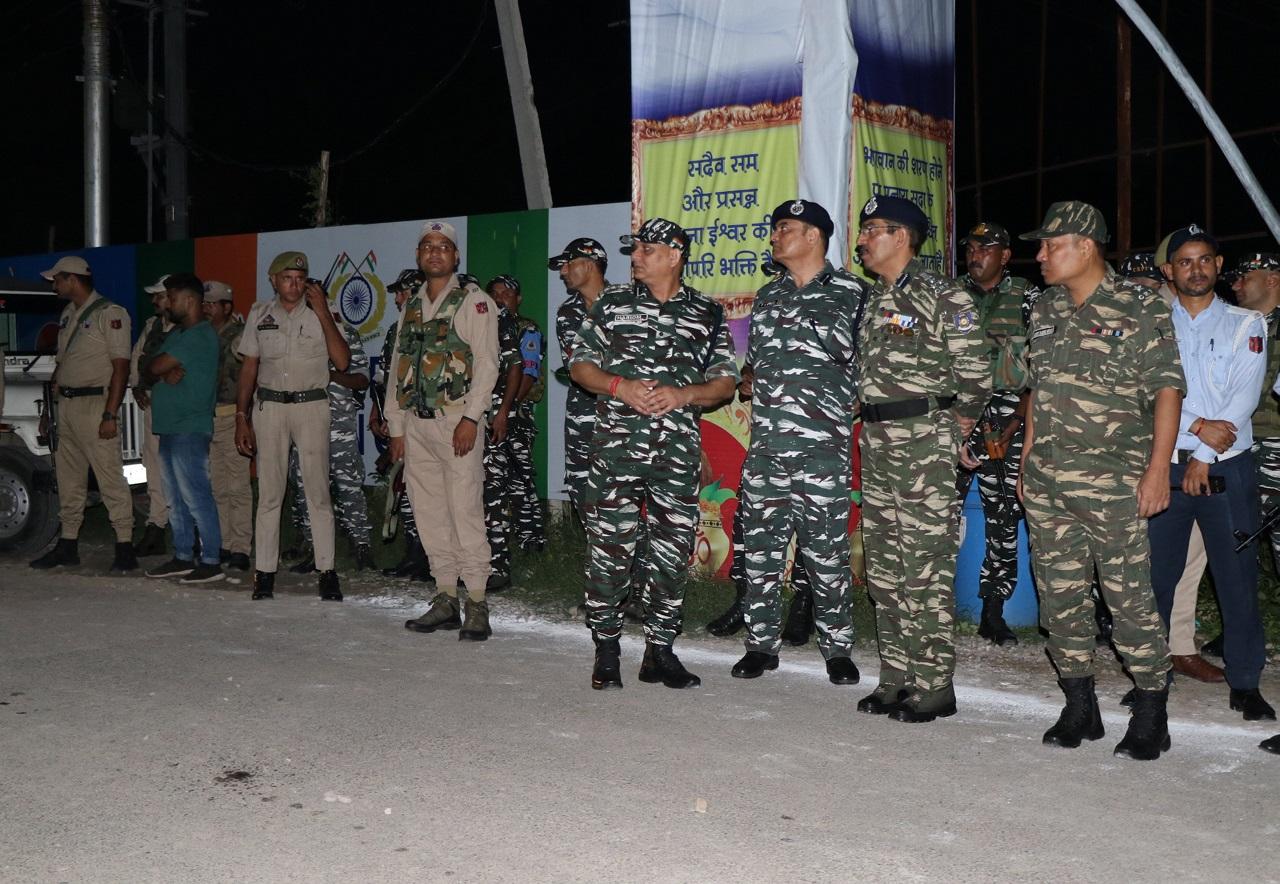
column 998, row 488
column 1266, row 453
column 579, row 425
column 497, row 515
column 619, row 483
column 911, row 536
column 522, row 432
column 1075, row 526
column 805, row 493
column 346, row 481
column 738, row 568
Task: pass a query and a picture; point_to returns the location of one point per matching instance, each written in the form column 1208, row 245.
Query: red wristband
column 613, row 386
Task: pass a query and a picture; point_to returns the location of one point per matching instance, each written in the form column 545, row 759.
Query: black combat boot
column 264, row 585
column 1080, row 718
column 992, row 626
column 607, row 672
column 922, row 708
column 799, row 625
column 364, row 557
column 443, row 614
column 1252, row 705
column 497, row 583
column 1148, row 733
column 1271, row 744
column 731, row 621
column 660, row 664
column 754, row 664
column 239, row 561
column 306, row 566
column 413, row 565
column 152, row 543
column 328, row 586
column 125, row 560
column 884, row 700
column 475, row 621
column 842, row 670
column 67, row 552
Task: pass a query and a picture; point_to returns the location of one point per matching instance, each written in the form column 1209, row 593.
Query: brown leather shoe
column 1197, row 667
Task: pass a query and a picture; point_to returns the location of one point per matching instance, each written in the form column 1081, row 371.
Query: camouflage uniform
column 1002, row 315
column 795, row 479
column 522, row 432
column 380, row 383
column 497, row 455
column 346, row 473
column 1266, row 431
column 637, row 460
column 1095, row 371
column 579, row 405
column 919, row 340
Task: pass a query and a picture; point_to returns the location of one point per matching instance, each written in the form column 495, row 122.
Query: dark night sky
column 272, row 84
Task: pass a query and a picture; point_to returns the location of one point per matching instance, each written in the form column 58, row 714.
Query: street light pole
column 97, row 79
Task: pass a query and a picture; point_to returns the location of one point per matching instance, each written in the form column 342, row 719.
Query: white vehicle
column 29, row 314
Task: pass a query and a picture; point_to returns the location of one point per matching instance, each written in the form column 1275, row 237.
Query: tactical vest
column 435, row 365
column 1266, row 419
column 1000, row 317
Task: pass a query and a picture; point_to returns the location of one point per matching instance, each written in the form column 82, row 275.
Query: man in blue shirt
column 1224, row 356
column 182, row 416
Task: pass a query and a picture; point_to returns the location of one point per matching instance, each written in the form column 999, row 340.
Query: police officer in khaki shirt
column 89, row 383
column 228, row 471
column 287, row 345
column 438, row 389
column 150, row 337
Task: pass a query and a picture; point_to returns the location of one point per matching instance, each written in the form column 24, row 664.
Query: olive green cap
column 1071, row 216
column 288, row 261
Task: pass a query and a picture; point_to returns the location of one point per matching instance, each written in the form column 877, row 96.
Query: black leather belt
column 73, row 392
column 892, row 411
column 293, row 397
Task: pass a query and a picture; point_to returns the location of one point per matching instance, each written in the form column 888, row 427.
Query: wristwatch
column 108, row 416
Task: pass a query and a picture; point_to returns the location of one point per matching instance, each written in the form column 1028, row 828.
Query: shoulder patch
column 482, row 307
column 1255, row 344
column 117, row 323
column 963, row 320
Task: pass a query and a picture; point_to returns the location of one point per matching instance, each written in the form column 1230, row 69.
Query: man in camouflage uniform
column 346, row 463
column 153, row 333
column 228, row 471
column 656, row 353
column 581, row 266
column 1256, row 282
column 994, row 448
column 437, row 397
column 522, row 428
column 1106, row 393
column 801, row 353
column 924, row 378
column 497, row 455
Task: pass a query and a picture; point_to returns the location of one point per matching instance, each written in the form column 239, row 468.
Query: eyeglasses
column 873, row 230
column 442, row 247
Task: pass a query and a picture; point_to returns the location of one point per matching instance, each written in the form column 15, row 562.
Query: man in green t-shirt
column 182, row 417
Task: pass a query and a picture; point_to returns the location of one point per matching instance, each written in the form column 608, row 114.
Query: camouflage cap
column 986, row 233
column 68, row 264
column 505, row 279
column 217, row 291
column 157, row 287
column 1140, row 264
column 1184, row 235
column 582, row 247
column 408, row 279
column 806, row 211
column 1071, row 216
column 288, row 261
column 1257, row 261
column 658, row 231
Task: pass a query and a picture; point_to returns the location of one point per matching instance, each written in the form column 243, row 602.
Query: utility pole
column 175, row 111
column 322, row 201
column 97, row 79
column 533, row 159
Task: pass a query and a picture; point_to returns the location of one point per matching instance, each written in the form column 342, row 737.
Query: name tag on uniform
column 1043, row 331
column 629, row 319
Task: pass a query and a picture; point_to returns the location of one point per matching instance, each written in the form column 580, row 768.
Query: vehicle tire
column 28, row 503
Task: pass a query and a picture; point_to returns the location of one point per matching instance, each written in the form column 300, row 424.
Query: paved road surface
column 153, row 732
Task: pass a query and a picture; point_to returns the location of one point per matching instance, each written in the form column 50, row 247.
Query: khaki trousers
column 232, row 493
column 447, row 495
column 157, row 503
column 276, row 426
column 79, row 450
column 1182, row 620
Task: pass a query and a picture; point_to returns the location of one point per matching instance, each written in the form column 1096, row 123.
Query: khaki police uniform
column 446, row 491
column 228, row 468
column 84, row 379
column 292, row 359
column 157, row 503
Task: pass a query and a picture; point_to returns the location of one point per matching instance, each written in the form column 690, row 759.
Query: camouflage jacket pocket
column 1009, row 364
